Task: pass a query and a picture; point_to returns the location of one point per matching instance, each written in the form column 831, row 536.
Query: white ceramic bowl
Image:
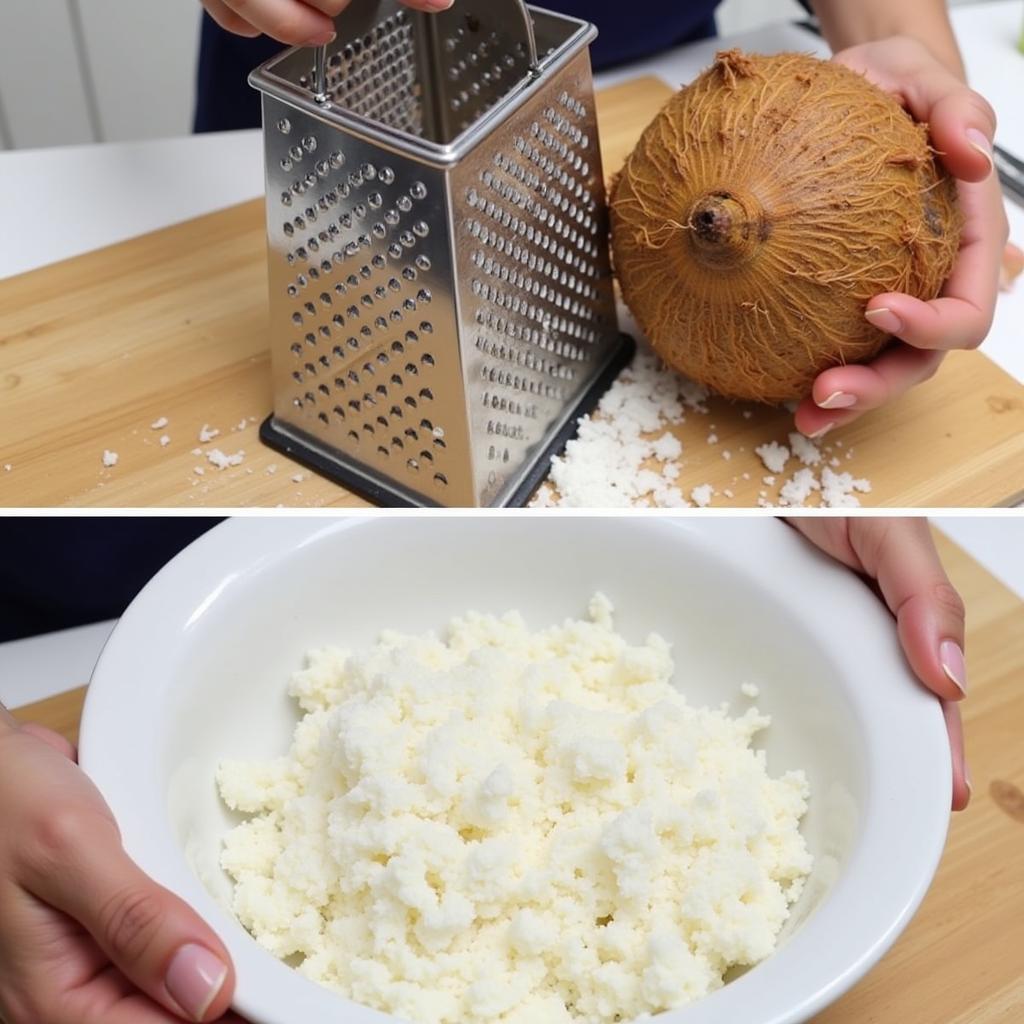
column 196, row 670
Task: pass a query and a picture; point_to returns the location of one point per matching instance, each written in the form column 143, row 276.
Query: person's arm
column 867, row 21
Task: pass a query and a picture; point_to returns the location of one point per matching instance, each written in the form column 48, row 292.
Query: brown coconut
column 763, row 207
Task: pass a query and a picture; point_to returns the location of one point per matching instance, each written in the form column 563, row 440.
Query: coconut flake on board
column 798, row 488
column 837, row 489
column 702, row 495
column 804, row 449
column 667, row 447
column 773, row 455
column 222, row 461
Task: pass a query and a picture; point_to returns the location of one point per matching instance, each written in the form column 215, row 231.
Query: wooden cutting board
column 959, row 961
column 174, row 325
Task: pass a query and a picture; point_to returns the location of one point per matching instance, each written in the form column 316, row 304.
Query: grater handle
column 320, row 75
column 531, row 37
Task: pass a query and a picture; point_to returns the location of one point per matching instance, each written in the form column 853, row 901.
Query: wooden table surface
column 174, row 325
column 960, row 961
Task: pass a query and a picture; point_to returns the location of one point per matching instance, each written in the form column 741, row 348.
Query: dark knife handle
column 1011, row 173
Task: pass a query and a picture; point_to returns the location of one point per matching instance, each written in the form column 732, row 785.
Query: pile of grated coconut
column 608, row 464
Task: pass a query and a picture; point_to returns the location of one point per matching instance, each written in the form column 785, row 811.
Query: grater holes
column 536, row 269
column 376, row 76
column 370, row 315
column 479, row 70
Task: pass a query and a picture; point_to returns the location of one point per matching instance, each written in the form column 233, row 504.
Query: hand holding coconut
column 783, row 217
column 962, row 125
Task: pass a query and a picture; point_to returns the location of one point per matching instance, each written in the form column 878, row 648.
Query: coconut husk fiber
column 761, row 210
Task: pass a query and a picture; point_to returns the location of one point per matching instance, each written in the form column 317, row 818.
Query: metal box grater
column 441, row 304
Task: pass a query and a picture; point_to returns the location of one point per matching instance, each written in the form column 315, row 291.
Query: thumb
column 154, row 938
column 901, row 555
column 962, row 126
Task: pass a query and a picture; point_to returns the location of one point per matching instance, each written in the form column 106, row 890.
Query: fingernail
column 322, row 38
column 838, row 400
column 194, row 979
column 980, row 141
column 437, row 5
column 967, row 779
column 953, row 664
column 885, row 320
column 821, row 432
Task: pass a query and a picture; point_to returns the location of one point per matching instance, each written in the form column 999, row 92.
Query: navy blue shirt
column 629, row 30
column 58, row 572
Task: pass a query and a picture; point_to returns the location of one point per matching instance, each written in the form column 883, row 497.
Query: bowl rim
column 902, row 832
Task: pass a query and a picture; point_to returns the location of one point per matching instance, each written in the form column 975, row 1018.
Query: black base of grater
column 368, row 485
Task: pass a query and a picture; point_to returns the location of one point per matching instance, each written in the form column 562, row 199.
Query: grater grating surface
column 441, row 299
column 364, row 250
column 531, row 225
column 377, row 76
